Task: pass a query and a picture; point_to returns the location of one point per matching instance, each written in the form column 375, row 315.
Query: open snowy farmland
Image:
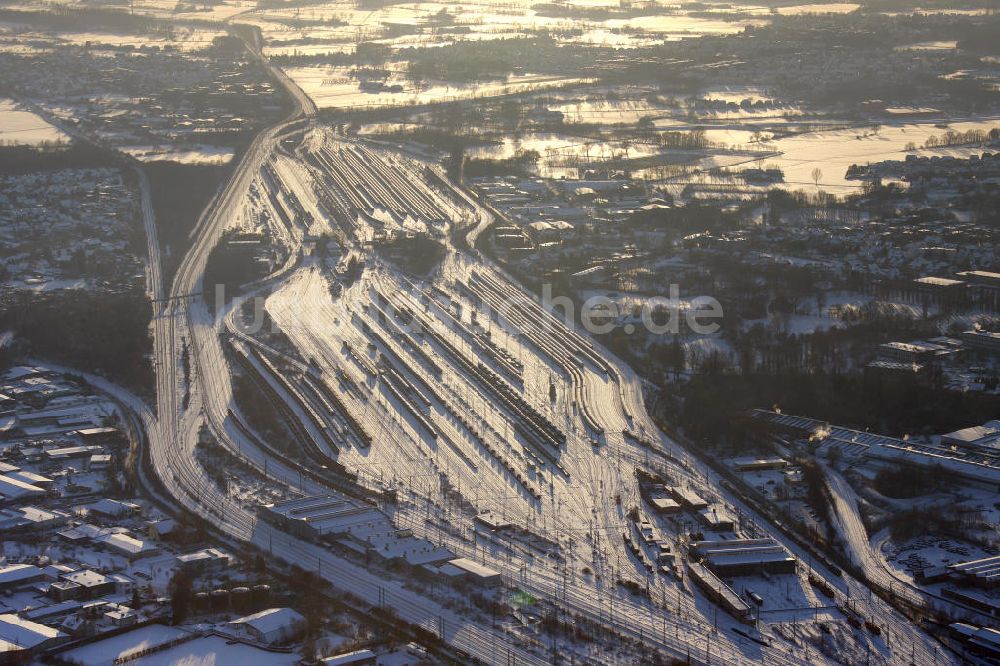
column 606, row 23
column 333, row 88
column 834, row 151
column 23, row 128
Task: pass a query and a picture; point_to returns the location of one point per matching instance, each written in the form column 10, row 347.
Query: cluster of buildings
column 717, row 550
column 545, row 213
column 142, row 96
column 967, row 362
column 55, row 441
column 941, row 176
column 68, row 229
column 964, row 460
column 676, row 501
column 967, row 289
column 78, row 562
column 972, row 583
column 367, row 531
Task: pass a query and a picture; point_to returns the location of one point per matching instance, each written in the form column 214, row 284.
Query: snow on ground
column 24, row 128
column 834, row 151
column 108, row 650
column 216, row 651
column 929, row 551
column 200, row 154
column 331, row 88
column 179, row 38
column 820, row 8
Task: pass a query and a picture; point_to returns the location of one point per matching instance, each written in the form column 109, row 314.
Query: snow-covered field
column 201, row 154
column 834, row 151
column 105, row 652
column 332, row 88
column 217, row 651
column 24, row 128
column 201, row 651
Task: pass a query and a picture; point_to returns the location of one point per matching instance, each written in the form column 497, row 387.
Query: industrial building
column 941, row 291
column 20, row 637
column 717, row 518
column 19, row 575
column 984, row 438
column 273, row 625
column 984, row 573
column 917, row 351
column 355, row 658
column 665, row 506
column 752, row 464
column 355, row 525
column 687, row 498
column 13, row 489
column 975, row 641
column 718, row 591
column 985, row 288
column 744, row 557
column 975, row 598
column 204, row 561
column 466, row 569
column 985, row 341
column 87, row 584
column 316, row 517
column 967, row 464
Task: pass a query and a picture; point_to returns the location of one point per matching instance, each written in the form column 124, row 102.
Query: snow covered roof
column 324, row 514
column 25, row 633
column 23, row 372
column 664, row 504
column 17, row 572
column 86, row 578
column 126, row 544
column 204, row 555
column 987, row 568
column 939, row 281
column 471, row 567
column 974, row 434
column 29, row 477
column 271, row 620
column 12, row 488
column 113, row 508
column 90, row 432
column 52, row 610
column 29, row 516
column 985, row 275
column 348, row 658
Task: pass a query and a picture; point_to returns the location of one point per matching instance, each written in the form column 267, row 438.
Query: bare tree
column 817, row 174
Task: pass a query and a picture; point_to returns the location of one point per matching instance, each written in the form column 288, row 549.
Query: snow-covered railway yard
column 378, row 406
column 503, row 435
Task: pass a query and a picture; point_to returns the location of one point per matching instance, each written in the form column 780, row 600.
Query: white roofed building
column 20, row 635
column 274, row 625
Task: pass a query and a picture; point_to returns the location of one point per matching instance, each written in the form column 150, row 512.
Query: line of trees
column 955, row 138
